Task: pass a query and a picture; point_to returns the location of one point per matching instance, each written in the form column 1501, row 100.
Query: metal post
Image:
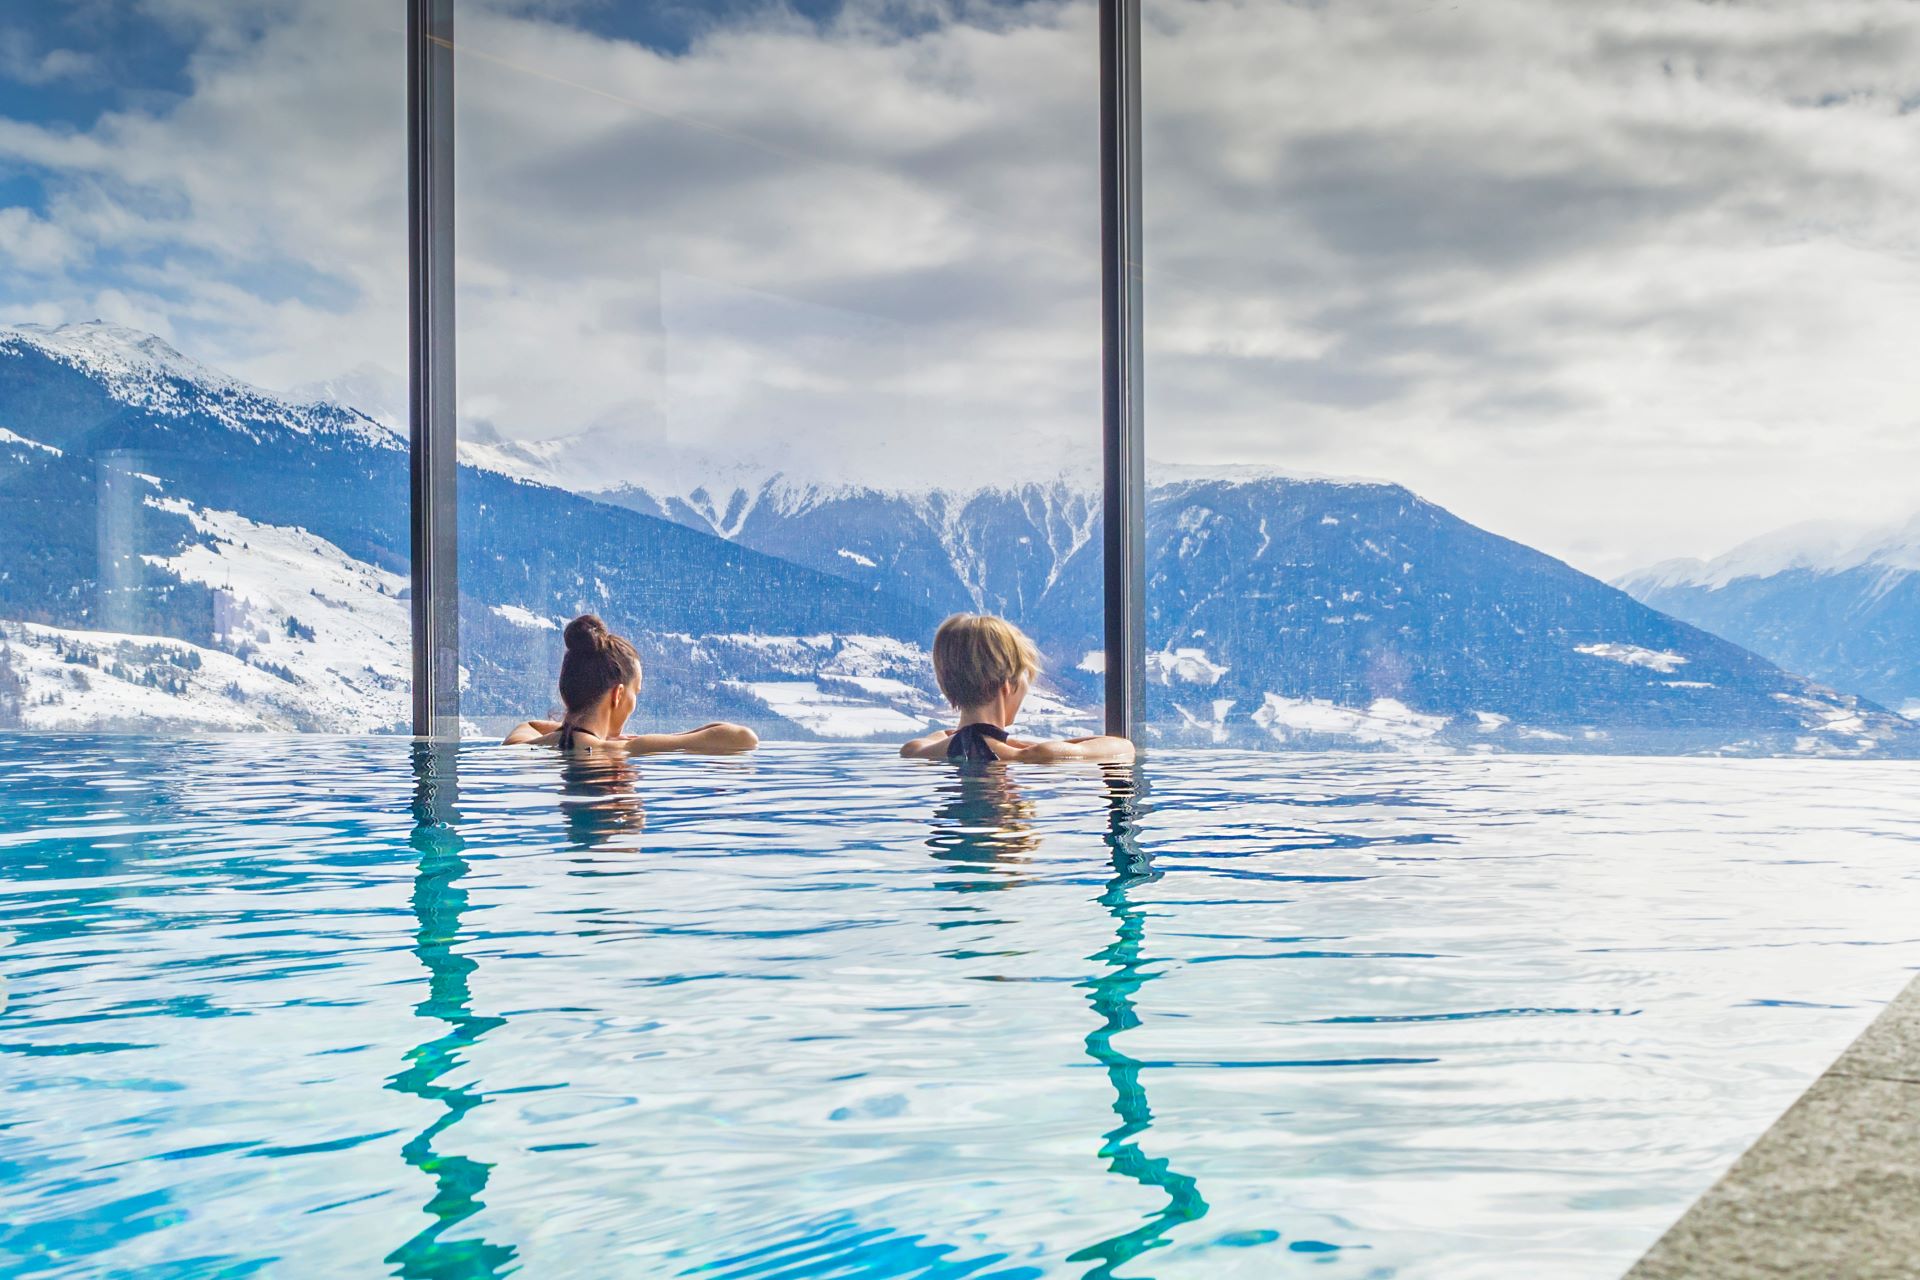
column 436, row 587
column 1122, row 350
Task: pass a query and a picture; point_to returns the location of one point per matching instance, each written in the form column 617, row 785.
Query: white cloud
column 24, row 64
column 1621, row 280
column 259, row 222
column 1612, row 279
column 33, row 245
column 861, row 251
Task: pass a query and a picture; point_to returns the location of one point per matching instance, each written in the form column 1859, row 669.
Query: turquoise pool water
column 335, row 1007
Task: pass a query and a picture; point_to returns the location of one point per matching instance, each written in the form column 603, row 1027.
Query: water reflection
column 1112, row 994
column 600, row 801
column 438, row 903
column 983, row 828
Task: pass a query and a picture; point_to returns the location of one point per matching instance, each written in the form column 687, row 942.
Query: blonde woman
column 985, row 666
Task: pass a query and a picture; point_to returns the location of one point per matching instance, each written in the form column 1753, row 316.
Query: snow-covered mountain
column 1320, row 612
column 996, row 549
column 1296, row 610
column 303, row 637
column 138, row 371
column 1839, row 602
column 182, row 548
column 178, row 547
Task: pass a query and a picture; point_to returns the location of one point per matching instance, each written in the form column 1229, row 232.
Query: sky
column 1620, row 280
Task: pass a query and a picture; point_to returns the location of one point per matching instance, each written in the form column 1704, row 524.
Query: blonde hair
column 976, row 653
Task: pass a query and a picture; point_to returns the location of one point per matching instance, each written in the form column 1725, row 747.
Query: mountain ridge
column 1839, row 602
column 142, row 371
column 1282, row 610
column 1821, row 546
column 143, row 507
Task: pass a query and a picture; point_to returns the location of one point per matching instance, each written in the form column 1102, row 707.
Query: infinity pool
column 336, row 1007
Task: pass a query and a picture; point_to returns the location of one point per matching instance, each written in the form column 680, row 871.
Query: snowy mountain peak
column 634, row 471
column 143, row 370
column 724, row 501
column 1818, row 547
column 129, row 361
column 1170, row 474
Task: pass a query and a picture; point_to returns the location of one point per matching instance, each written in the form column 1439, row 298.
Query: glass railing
column 1516, row 382
column 778, row 344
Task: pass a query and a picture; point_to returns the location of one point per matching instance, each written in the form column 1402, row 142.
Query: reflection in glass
column 802, row 376
column 1519, row 370
column 438, row 903
column 203, row 467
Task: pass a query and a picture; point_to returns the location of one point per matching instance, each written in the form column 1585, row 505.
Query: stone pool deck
column 1832, row 1190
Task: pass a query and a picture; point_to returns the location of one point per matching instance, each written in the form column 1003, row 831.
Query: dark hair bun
column 586, row 633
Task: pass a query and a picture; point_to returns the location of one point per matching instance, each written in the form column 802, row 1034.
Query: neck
column 986, row 713
column 596, row 720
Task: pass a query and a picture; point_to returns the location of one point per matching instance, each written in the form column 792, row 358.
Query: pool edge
column 1832, row 1189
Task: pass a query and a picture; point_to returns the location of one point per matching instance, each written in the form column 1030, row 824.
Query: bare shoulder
column 533, row 731
column 931, row 747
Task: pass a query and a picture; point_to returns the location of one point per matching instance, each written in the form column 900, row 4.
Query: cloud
column 33, row 245
column 1622, row 280
column 22, row 63
column 258, row 221
column 1608, row 278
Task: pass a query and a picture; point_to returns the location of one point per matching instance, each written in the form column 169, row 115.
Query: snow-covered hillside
column 1307, row 612
column 260, row 544
column 307, row 638
column 1316, row 613
column 841, row 687
column 294, row 600
column 14, row 442
column 145, row 496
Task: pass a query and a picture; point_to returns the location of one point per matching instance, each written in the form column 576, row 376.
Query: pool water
column 327, row 1007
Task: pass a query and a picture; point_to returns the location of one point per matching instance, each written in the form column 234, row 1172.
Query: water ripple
column 351, row 1007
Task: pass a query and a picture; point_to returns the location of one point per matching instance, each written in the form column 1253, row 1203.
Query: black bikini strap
column 969, row 743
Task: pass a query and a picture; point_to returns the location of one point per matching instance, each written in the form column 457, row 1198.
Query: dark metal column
column 1122, row 346
column 436, row 586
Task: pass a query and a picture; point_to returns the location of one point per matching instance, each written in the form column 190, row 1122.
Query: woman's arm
column 1101, row 750
column 716, row 739
column 931, row 747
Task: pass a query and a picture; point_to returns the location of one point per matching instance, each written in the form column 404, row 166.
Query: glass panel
column 1498, row 355
column 779, row 341
column 203, row 520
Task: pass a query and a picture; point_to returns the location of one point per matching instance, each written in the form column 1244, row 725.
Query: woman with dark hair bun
column 600, row 686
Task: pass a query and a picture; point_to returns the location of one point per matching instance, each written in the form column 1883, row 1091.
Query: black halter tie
column 970, row 743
